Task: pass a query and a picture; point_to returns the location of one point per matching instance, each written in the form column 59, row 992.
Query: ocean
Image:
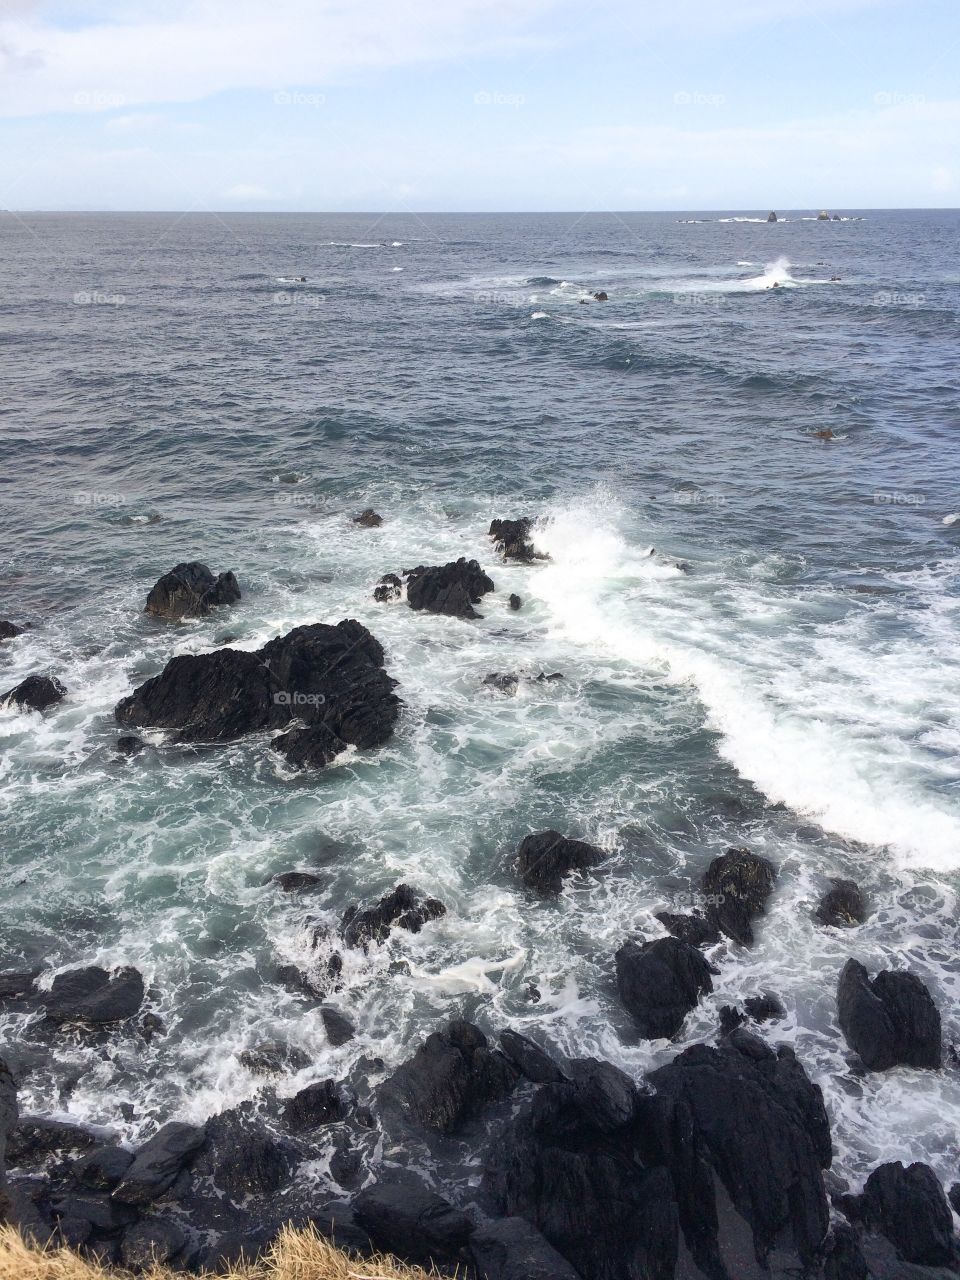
column 756, row 626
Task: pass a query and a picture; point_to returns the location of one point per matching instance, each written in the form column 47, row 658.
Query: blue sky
column 479, row 104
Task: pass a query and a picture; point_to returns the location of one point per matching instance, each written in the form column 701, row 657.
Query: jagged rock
column 368, row 519
column 102, row 1169
column 17, row 985
column 99, row 1209
column 34, row 1137
column 154, row 1240
column 503, row 683
column 450, row 1078
column 158, row 1162
column 390, row 587
column 771, row 216
column 451, row 589
column 190, row 591
column 890, row 1021
column 337, row 1025
column 908, row 1207
column 512, row 538
column 844, row 1258
column 515, row 601
column 511, row 1249
column 736, row 887
column 93, row 995
column 660, row 982
column 544, row 858
column 128, row 744
column 529, row 1059
column 695, row 929
column 315, row 1105
column 554, row 675
column 9, row 630
column 295, row 881
column 842, row 906
column 241, row 1157
column 36, row 693
column 329, row 679
column 403, row 908
column 412, row 1222
column 273, row 1058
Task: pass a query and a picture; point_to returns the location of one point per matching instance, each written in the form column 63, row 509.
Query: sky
column 463, row 105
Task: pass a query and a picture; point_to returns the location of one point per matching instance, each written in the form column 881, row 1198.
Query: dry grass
column 296, row 1255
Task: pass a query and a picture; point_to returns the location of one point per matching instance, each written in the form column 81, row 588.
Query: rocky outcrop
column 402, row 908
column 451, row 589
column 842, row 906
column 771, row 216
column 511, row 1249
column 529, row 1059
column 151, row 1242
column 908, row 1206
column 296, row 881
column 390, row 587
column 515, row 601
column 325, row 684
column 9, row 1114
column 450, row 1078
column 190, row 590
column 512, row 539
column 890, row 1021
column 317, row 1104
column 736, row 887
column 368, row 519
column 36, row 693
column 503, row 682
column 412, row 1222
column 693, row 928
column 546, row 857
column 660, row 982
column 241, row 1158
column 337, row 1025
column 158, row 1163
column 763, row 1008
column 94, row 996
column 9, row 630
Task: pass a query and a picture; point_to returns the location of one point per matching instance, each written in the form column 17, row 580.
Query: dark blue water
column 172, row 391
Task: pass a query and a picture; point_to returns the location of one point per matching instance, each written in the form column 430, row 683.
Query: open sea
column 757, row 628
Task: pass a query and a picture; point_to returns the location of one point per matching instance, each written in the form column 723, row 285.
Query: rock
column 529, row 1059
column 953, row 1195
column 241, row 1157
column 273, row 1058
column 17, row 985
column 515, row 601
column 346, row 1166
column 336, row 1221
column 842, row 906
column 315, row 1105
column 765, row 1007
column 737, row 886
column 152, row 1241
column 35, row 1137
column 190, row 591
column 452, row 589
column 502, row 683
column 328, row 679
column 128, row 744
column 403, row 908
column 693, row 928
column 8, row 630
column 843, row 1256
column 891, row 1021
column 908, row 1207
column 554, row 675
column 512, row 538
column 660, row 982
column 410, row 1221
column 100, row 1210
column 158, row 1162
column 94, row 996
column 337, row 1025
column 511, row 1249
column 450, row 1078
column 36, row 693
column 543, row 859
column 600, row 296
column 368, row 519
column 102, row 1169
column 296, row 881
column 390, row 587
column 823, row 216
column 9, row 1114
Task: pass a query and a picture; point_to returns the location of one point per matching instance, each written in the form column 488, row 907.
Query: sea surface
column 757, row 627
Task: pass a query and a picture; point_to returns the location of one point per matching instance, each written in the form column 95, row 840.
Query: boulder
column 515, row 601
column 412, row 1222
column 103, row 1213
column 273, row 1057
column 660, row 982
column 451, row 1077
column 694, row 928
column 390, row 587
column 512, row 538
column 842, row 906
column 368, row 519
column 128, row 744
column 600, row 296
column 844, row 1258
column 544, row 858
column 909, row 1207
column 328, row 681
column 102, row 1169
column 402, row 908
column 736, row 887
column 511, row 1249
column 452, row 589
column 157, row 1164
column 502, row 682
column 889, row 1021
column 94, row 996
column 36, row 693
column 316, row 1105
column 241, row 1158
column 337, row 1025
column 9, row 630
column 771, row 216
column 35, row 1137
column 190, row 591
column 296, row 881
column 151, row 1241
column 529, row 1059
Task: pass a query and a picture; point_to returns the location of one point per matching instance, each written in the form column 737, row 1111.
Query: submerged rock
column 295, row 881
column 403, row 908
column 660, row 982
column 502, row 682
column 546, row 857
column 128, row 744
column 412, row 1222
column 273, row 1057
column 190, row 590
column 736, row 887
column 368, row 519
column 842, row 907
column 451, row 589
column 890, row 1021
column 94, row 996
column 512, row 538
column 36, row 693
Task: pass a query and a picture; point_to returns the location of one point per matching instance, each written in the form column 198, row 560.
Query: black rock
column 328, row 681
column 544, row 858
column 412, row 1222
column 660, row 982
column 273, row 1058
column 99, row 1209
column 908, row 1207
column 158, row 1162
column 953, row 1195
column 190, row 591
column 842, row 906
column 529, row 1059
column 512, row 538
column 336, row 1221
column 34, row 1137
column 313, row 1106
column 102, row 1169
column 128, row 744
column 451, row 589
column 241, row 1157
column 153, row 1240
column 337, row 1025
column 764, row 1008
column 515, row 601
column 17, row 985
column 553, row 675
column 368, row 519
column 94, row 996
column 511, row 1249
column 450, row 1078
column 390, row 587
column 8, row 630
column 694, row 928
column 295, row 881
column 890, row 1021
column 9, row 1114
column 736, row 887
column 502, row 682
column 36, row 693
column 346, row 1166
column 843, row 1256
column 403, row 908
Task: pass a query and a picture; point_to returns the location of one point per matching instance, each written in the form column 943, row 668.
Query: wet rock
column 554, row 675
column 336, row 1221
column 450, row 1078
column 953, row 1195
column 328, row 681
column 128, row 744
column 762, row 1008
column 99, row 1209
column 660, row 982
column 843, row 1256
column 402, row 908
column 908, row 1206
column 515, row 601
column 600, row 296
column 694, row 928
column 274, row 1058
column 511, row 1249
column 157, row 1164
column 410, row 1221
column 346, row 1166
column 152, row 1241
column 313, row 1106
column 452, row 589
column 736, row 887
column 544, row 858
column 94, row 996
column 512, row 538
column 296, row 881
column 102, row 1169
column 890, row 1021
column 17, row 984
column 9, row 1114
column 842, row 907
column 529, row 1059
column 771, row 216
column 337, row 1025
column 190, row 591
column 390, row 587
column 35, row 1137
column 36, row 693
column 241, row 1157
column 368, row 519
column 503, row 683
column 9, row 630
